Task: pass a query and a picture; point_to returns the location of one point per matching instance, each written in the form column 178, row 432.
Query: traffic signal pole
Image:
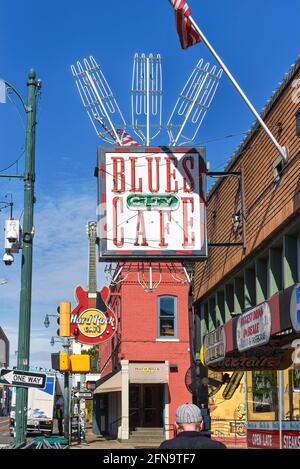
column 67, row 406
column 26, row 267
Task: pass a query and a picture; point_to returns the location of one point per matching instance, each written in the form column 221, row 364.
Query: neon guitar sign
column 92, row 321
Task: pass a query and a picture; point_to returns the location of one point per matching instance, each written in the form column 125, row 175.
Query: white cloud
column 60, row 262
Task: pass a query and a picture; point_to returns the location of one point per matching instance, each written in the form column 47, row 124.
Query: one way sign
column 84, row 395
column 22, row 378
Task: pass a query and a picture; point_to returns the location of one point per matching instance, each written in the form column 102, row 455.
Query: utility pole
column 26, row 267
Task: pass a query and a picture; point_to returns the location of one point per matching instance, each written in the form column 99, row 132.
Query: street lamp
column 27, row 238
column 66, row 343
column 47, row 321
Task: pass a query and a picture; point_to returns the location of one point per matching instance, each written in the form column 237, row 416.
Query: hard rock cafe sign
column 92, row 321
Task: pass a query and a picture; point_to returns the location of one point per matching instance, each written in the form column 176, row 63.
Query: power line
column 15, row 162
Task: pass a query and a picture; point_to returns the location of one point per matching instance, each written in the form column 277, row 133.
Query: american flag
column 125, row 138
column 186, row 31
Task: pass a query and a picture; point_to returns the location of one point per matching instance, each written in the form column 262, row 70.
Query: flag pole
column 282, row 150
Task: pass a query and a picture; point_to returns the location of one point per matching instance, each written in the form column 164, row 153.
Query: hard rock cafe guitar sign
column 92, row 321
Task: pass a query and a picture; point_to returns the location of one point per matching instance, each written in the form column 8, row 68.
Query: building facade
column 143, row 368
column 247, row 293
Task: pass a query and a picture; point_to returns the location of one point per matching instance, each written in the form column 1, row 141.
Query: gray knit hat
column 188, row 413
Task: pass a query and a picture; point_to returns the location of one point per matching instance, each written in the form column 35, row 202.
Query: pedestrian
column 59, row 416
column 189, row 425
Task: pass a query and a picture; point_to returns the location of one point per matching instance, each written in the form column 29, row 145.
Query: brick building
column 143, row 368
column 236, row 286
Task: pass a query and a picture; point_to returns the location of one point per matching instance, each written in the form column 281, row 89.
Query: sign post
column 83, row 395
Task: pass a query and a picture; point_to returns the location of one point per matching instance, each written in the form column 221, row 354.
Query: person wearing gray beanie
column 189, row 425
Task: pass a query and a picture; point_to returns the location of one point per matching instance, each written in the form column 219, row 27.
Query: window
column 264, row 391
column 278, row 167
column 167, row 317
column 298, row 124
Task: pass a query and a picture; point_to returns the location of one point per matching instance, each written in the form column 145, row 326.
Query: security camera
column 8, row 258
column 12, row 236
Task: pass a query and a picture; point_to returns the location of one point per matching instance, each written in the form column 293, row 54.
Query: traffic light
column 61, row 361
column 80, row 363
column 64, row 311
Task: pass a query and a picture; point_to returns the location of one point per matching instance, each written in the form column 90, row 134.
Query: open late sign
column 152, row 203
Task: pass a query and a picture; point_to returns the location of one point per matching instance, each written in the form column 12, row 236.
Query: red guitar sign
column 92, row 321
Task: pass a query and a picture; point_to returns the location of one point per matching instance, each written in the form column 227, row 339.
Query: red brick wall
column 138, row 331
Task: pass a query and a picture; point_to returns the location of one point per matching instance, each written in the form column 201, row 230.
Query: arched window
column 167, row 316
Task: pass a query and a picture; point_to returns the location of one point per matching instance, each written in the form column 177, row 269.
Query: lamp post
column 26, row 265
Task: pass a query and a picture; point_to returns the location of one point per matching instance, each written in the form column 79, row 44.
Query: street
column 5, row 439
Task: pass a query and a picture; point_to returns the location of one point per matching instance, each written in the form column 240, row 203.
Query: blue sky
column 257, row 40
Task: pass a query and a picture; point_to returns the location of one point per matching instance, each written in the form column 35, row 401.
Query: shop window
column 264, row 391
column 167, row 316
column 293, row 391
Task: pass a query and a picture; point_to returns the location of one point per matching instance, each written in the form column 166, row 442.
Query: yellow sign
column 92, row 323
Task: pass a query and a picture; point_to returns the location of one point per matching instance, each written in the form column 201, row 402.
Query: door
column 146, row 405
column 100, row 417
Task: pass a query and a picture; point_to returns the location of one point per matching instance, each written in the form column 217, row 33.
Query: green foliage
column 94, row 354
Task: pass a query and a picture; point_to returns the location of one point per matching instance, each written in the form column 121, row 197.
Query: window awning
column 110, row 383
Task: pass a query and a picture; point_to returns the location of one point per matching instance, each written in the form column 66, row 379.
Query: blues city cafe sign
column 152, row 203
column 254, row 327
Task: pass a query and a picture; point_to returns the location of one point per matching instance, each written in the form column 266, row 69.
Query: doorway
column 146, row 405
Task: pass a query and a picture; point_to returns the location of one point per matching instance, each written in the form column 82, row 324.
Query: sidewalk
column 99, row 442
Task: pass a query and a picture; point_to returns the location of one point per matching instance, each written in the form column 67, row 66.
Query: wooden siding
column 268, row 205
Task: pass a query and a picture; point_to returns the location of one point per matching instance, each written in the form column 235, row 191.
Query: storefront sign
column 254, row 328
column 260, row 439
column 269, row 439
column 148, row 373
column 152, row 203
column 94, row 325
column 279, row 360
column 214, row 346
column 295, row 308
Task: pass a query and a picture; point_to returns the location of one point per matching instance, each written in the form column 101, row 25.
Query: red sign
column 92, row 321
column 269, row 439
column 263, row 439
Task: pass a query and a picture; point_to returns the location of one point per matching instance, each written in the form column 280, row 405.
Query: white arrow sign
column 84, row 395
column 22, row 378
